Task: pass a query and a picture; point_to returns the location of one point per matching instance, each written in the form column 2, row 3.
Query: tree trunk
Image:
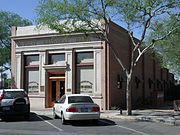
column 128, row 96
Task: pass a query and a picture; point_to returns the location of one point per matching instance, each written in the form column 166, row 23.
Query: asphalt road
column 45, row 125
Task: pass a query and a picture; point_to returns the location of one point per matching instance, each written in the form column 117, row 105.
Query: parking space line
column 59, row 129
column 130, row 129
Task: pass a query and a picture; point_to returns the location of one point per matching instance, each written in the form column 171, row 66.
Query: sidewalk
column 169, row 117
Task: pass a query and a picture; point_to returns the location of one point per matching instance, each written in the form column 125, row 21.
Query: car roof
column 71, row 95
column 12, row 89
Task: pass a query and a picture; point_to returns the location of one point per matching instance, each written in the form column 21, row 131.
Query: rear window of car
column 80, row 99
column 14, row 94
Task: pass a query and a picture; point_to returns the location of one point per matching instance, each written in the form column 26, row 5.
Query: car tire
column 63, row 121
column 95, row 121
column 3, row 118
column 54, row 114
column 27, row 116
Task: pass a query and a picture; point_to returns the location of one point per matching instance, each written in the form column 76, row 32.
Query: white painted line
column 59, row 129
column 133, row 130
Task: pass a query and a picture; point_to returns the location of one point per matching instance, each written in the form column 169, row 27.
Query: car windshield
column 80, row 99
column 14, row 94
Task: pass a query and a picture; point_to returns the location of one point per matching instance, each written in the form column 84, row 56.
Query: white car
column 76, row 107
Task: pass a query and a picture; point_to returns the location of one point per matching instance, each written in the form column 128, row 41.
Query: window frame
column 28, row 68
column 83, row 65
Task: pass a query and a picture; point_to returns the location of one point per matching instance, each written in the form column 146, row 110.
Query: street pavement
column 165, row 116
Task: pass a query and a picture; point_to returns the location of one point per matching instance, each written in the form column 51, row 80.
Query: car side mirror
column 55, row 101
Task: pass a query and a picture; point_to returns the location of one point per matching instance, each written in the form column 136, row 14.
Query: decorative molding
column 62, row 65
column 60, row 47
column 55, row 40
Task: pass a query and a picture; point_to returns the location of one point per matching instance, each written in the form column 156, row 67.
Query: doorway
column 56, row 89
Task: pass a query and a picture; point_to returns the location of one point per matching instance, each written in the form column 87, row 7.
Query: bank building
column 47, row 65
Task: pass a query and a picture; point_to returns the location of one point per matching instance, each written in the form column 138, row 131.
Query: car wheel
column 54, row 114
column 27, row 116
column 95, row 121
column 63, row 121
column 3, row 118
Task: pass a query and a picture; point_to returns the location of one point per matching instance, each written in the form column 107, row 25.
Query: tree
column 83, row 15
column 7, row 20
column 169, row 49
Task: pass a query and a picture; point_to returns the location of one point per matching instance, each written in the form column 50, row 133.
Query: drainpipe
column 143, row 78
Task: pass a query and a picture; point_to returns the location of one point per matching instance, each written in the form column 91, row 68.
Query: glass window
column 85, row 79
column 55, row 58
column 84, row 57
column 62, row 100
column 33, row 81
column 14, row 94
column 32, row 60
column 79, row 99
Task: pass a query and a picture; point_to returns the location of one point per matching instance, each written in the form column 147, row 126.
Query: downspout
column 143, row 78
column 106, row 78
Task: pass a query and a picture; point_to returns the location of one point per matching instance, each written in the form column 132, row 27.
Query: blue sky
column 24, row 8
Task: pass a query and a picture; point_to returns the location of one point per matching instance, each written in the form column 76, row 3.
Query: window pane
column 14, row 94
column 85, row 79
column 33, row 81
column 80, row 99
column 55, row 58
column 32, row 60
column 84, row 57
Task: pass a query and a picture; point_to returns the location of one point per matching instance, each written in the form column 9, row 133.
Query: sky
column 24, row 8
column 27, row 9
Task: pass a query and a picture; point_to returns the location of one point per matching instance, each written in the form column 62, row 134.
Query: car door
column 59, row 105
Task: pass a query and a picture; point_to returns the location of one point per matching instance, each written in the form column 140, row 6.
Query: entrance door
column 56, row 90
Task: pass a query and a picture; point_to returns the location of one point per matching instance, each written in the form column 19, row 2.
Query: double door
column 56, row 90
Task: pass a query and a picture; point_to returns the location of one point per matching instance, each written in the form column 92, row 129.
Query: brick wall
column 119, row 40
column 148, row 76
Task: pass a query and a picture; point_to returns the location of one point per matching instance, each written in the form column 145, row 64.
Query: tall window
column 32, row 60
column 32, row 74
column 85, row 58
column 84, row 72
column 56, row 58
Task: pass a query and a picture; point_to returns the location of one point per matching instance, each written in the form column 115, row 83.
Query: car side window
column 62, row 100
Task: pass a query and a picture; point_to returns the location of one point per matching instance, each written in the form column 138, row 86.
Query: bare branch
column 103, row 8
column 117, row 58
column 146, row 25
column 132, row 38
column 153, row 42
